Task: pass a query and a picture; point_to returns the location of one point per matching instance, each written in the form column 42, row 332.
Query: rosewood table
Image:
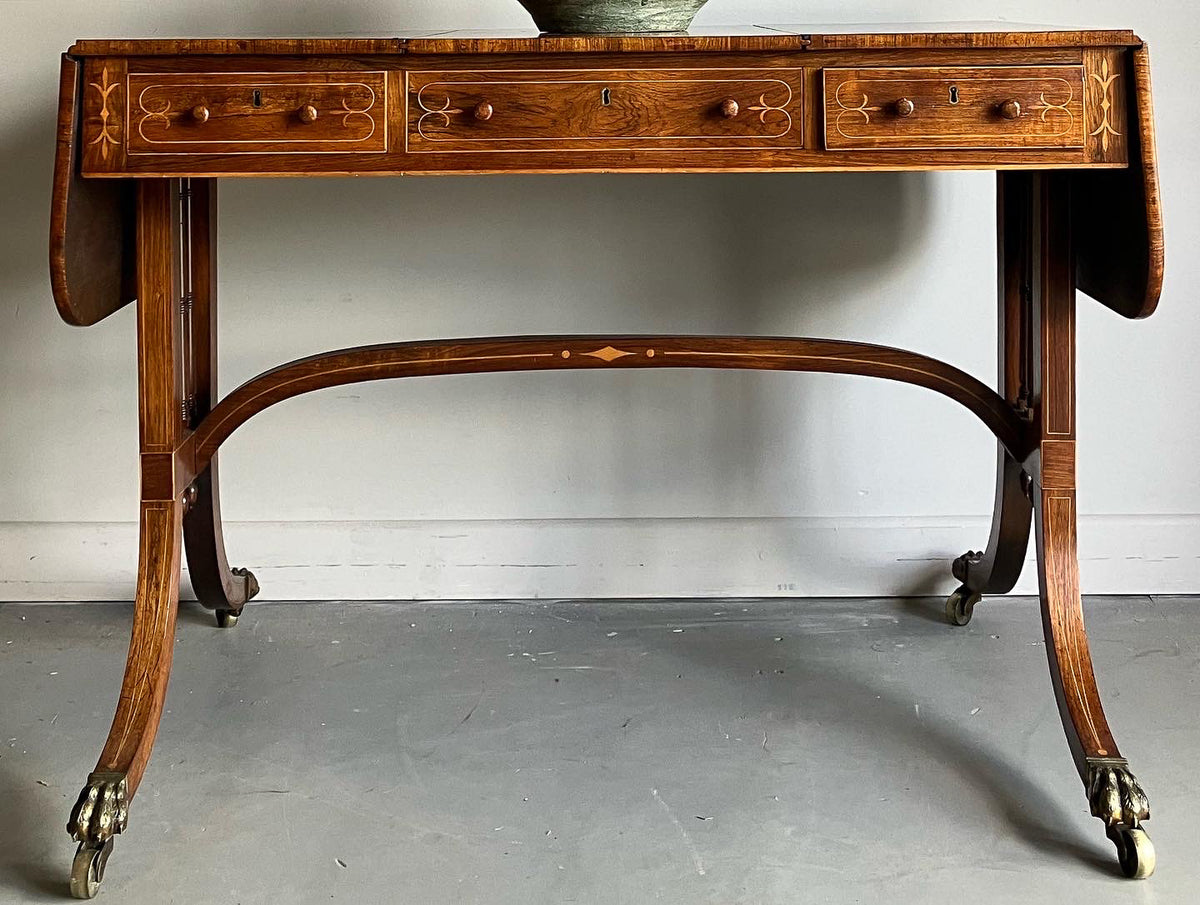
column 146, row 127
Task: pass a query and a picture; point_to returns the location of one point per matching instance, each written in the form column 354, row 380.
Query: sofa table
column 146, row 127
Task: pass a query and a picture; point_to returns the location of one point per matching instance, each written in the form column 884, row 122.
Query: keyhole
column 256, row 98
column 606, row 97
column 954, row 94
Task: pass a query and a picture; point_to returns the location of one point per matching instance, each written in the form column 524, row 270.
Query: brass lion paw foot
column 101, row 812
column 1117, row 798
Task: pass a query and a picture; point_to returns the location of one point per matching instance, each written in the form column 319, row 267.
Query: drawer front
column 954, row 107
column 254, row 113
column 590, row 109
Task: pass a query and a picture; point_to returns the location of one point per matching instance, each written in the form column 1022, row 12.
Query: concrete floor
column 689, row 752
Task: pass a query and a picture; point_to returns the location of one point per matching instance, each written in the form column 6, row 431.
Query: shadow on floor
column 821, row 692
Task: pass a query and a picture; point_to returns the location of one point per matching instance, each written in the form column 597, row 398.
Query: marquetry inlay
column 608, row 354
column 108, row 118
column 1105, row 80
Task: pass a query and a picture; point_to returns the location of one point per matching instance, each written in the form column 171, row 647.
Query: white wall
column 671, row 483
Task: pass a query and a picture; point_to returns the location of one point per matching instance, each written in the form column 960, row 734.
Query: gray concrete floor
column 690, row 752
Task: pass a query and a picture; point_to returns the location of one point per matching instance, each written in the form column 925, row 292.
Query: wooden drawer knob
column 729, row 108
column 200, row 113
column 905, row 107
column 307, row 113
column 483, row 111
column 1010, row 109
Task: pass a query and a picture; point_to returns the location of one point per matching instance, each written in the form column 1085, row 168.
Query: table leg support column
column 996, row 569
column 1113, row 792
column 102, row 810
column 217, row 586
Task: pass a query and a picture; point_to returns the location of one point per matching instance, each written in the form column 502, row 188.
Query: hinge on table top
column 1022, row 406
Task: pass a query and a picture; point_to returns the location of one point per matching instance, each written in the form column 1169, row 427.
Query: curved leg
column 1113, row 792
column 996, row 569
column 103, row 806
column 216, row 585
column 102, row 810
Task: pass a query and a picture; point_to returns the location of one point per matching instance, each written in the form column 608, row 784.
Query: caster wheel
column 961, row 604
column 87, row 870
column 1135, row 851
column 226, row 618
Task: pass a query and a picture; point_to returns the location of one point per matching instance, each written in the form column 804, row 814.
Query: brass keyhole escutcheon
column 606, row 96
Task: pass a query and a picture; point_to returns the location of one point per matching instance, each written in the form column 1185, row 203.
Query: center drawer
column 253, row 113
column 983, row 107
column 596, row 109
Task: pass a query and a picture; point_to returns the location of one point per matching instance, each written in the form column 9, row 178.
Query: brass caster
column 961, row 604
column 1135, row 851
column 227, row 618
column 87, row 870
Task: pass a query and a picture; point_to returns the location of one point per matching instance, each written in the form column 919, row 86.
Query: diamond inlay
column 608, row 353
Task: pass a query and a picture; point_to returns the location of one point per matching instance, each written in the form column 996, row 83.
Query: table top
column 777, row 38
column 753, row 98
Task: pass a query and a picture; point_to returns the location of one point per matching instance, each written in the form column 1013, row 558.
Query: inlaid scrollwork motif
column 445, row 112
column 108, row 121
column 847, row 110
column 1105, row 81
column 352, row 112
column 150, row 116
column 763, row 108
column 1047, row 107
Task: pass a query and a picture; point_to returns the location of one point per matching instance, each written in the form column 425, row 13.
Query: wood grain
column 215, row 584
column 475, row 356
column 670, row 121
column 752, row 40
column 954, row 107
column 581, row 110
column 1118, row 215
column 996, row 569
column 91, row 223
column 151, row 645
column 1071, row 670
column 152, row 641
column 248, row 113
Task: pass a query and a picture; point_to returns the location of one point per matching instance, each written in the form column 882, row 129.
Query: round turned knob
column 729, row 108
column 483, row 111
column 1010, row 109
column 905, row 107
column 307, row 113
column 200, row 113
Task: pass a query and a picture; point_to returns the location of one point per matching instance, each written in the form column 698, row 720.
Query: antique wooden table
column 147, row 126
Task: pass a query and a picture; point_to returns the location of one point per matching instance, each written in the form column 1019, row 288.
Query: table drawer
column 590, row 109
column 252, row 113
column 981, row 107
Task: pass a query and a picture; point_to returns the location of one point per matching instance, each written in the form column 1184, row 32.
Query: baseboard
column 617, row 558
